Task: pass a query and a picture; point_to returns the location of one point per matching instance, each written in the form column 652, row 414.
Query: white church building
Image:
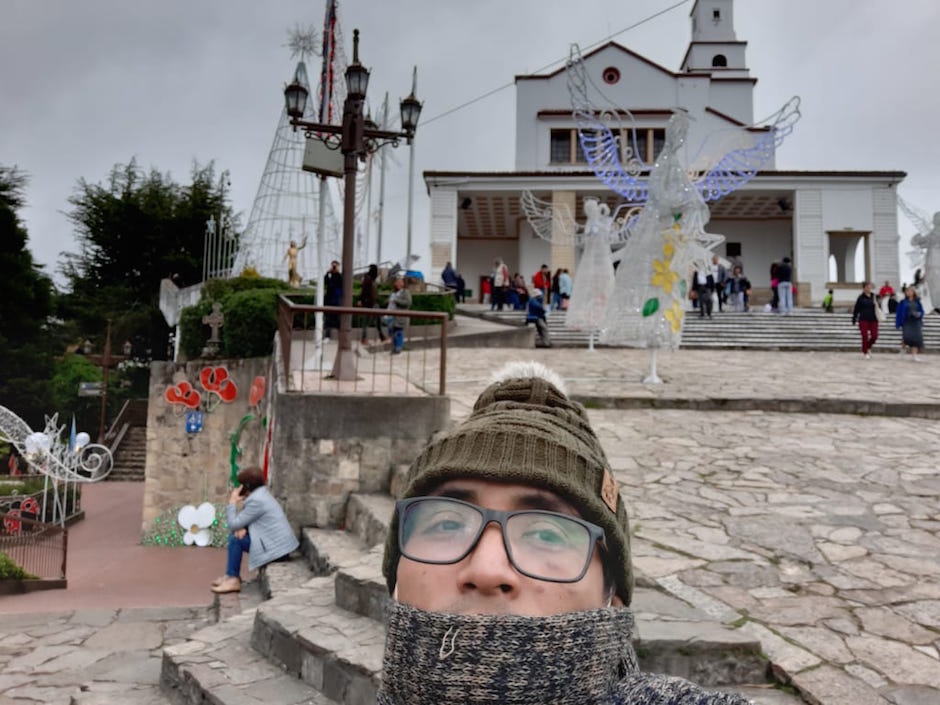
column 827, row 222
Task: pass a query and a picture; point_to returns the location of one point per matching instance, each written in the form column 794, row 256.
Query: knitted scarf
column 576, row 658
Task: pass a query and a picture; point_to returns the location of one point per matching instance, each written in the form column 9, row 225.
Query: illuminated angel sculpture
column 927, row 255
column 600, row 236
column 669, row 239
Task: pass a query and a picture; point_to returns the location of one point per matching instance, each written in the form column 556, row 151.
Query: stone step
column 218, row 665
column 368, row 516
column 328, row 550
column 361, row 587
column 334, row 651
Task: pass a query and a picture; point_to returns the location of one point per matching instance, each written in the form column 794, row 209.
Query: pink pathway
column 109, row 569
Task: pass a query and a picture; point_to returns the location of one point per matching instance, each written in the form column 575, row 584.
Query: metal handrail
column 287, row 309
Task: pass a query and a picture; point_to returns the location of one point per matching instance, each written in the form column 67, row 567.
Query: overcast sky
column 92, row 83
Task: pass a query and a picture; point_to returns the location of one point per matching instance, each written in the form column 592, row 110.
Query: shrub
column 11, row 571
column 251, row 322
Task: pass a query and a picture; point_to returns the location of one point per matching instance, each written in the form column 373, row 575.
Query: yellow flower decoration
column 668, row 249
column 674, row 316
column 663, row 276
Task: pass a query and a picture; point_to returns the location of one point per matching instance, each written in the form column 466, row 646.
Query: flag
column 72, row 436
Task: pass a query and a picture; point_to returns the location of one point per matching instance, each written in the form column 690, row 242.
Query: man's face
column 399, row 283
column 334, row 266
column 485, row 582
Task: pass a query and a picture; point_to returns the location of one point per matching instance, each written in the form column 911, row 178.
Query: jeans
column 869, row 331
column 236, row 547
column 786, row 297
column 738, row 299
column 398, row 338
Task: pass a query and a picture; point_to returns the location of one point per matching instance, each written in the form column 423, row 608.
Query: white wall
column 847, row 210
column 762, row 242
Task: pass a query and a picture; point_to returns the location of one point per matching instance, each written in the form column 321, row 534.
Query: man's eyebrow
column 543, row 501
column 523, row 500
column 457, row 493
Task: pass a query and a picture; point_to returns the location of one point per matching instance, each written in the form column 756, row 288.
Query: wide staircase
column 805, row 329
column 320, row 637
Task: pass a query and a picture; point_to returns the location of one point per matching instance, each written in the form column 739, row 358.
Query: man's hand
column 240, row 533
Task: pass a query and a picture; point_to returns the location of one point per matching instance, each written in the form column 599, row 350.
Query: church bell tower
column 714, row 49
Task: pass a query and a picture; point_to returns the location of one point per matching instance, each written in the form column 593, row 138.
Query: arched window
column 719, row 61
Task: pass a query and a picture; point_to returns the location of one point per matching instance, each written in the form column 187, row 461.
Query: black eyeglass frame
column 595, row 532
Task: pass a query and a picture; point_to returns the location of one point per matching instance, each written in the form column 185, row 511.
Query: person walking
column 866, row 315
column 785, row 286
column 400, row 300
column 501, row 284
column 368, row 298
column 738, row 286
column 508, row 563
column 910, row 320
column 535, row 313
column 720, row 278
column 332, row 296
column 704, row 286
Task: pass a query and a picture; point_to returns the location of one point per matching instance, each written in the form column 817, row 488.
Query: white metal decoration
column 668, row 239
column 62, row 463
column 927, row 255
column 601, row 237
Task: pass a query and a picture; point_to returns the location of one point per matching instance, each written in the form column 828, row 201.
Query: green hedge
column 11, row 571
column 249, row 305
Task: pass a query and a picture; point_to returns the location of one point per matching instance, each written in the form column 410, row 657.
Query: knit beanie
column 525, row 430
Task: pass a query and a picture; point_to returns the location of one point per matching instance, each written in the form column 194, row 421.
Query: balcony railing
column 307, row 368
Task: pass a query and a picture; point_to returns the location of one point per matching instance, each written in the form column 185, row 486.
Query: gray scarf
column 577, row 657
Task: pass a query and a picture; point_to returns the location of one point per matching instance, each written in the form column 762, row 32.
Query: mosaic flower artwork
column 196, row 522
column 167, row 531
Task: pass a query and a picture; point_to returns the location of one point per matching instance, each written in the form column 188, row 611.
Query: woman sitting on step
column 260, row 529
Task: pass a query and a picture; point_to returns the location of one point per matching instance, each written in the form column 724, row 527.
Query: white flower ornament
column 196, row 521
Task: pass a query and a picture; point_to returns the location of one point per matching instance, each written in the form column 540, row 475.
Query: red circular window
column 611, row 75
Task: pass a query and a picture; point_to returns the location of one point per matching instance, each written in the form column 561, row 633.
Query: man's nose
column 487, row 569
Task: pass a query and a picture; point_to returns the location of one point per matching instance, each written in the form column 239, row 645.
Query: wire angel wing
column 554, row 223
column 599, row 135
column 919, row 219
column 740, row 164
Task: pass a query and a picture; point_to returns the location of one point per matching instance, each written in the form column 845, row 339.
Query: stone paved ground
column 80, row 657
column 819, row 533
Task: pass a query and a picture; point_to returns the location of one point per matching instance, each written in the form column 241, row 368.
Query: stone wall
column 323, row 446
column 326, row 446
column 189, row 468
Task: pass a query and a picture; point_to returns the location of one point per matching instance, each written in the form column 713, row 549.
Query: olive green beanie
column 525, row 430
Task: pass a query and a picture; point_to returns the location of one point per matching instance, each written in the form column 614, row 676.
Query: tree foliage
column 134, row 230
column 25, row 310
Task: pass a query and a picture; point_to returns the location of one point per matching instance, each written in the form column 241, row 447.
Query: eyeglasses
column 540, row 544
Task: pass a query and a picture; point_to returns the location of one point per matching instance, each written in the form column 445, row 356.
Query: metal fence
column 38, row 548
column 307, row 359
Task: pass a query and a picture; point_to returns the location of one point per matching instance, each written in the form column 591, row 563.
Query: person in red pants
column 865, row 314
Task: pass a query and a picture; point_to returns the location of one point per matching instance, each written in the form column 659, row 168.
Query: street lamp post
column 355, row 138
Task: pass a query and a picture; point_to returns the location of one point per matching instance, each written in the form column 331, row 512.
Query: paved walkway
column 819, row 533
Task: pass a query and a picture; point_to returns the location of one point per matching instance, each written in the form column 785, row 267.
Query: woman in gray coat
column 260, row 529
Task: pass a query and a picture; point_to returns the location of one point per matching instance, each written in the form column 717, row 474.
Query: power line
column 556, row 61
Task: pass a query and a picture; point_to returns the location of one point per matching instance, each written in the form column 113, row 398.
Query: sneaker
column 915, row 358
column 868, row 356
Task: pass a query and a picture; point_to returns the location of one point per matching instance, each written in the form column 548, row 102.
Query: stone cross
column 215, row 320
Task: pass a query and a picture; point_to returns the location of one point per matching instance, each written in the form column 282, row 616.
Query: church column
column 562, row 249
column 443, row 230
